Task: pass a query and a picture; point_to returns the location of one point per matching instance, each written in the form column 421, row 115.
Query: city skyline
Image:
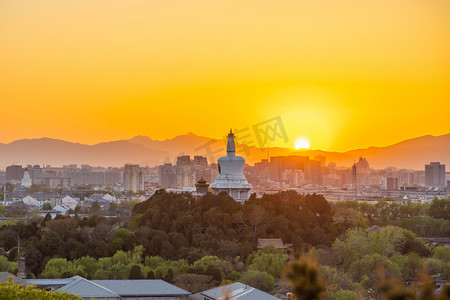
column 344, row 76
column 409, row 154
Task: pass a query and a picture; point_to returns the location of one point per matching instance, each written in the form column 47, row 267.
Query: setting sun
column 302, row 143
column 319, row 65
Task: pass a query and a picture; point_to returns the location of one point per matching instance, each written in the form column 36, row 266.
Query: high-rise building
column 392, row 183
column 185, row 176
column 279, row 164
column 207, row 173
column 435, row 175
column 167, row 176
column 322, row 159
column 14, row 172
column 200, row 161
column 100, row 178
column 313, row 172
column 133, row 180
column 184, row 160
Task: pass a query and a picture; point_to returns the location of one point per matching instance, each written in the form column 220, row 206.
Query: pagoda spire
column 231, row 149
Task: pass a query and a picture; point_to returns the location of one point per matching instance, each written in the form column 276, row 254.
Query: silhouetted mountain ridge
column 411, row 153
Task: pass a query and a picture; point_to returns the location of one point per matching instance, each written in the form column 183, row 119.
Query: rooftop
column 87, row 289
column 111, row 288
column 237, row 291
column 136, row 288
column 277, row 242
column 4, row 277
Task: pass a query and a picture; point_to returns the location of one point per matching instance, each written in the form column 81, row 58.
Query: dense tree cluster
column 198, row 243
column 63, row 237
column 353, row 260
column 306, row 283
column 426, row 220
column 264, row 267
column 178, row 226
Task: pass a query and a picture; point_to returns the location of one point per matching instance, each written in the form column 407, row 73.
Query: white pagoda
column 231, row 178
column 26, row 180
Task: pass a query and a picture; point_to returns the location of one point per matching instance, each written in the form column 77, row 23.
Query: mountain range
column 410, row 154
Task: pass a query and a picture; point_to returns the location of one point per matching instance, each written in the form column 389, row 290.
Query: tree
column 214, row 272
column 129, row 204
column 89, row 265
column 169, row 276
column 409, row 265
column 123, row 239
column 34, row 188
column 440, row 208
column 64, row 227
column 363, row 270
column 435, row 266
column 95, row 206
column 167, row 250
column 395, row 290
column 343, row 295
column 259, row 280
column 256, row 216
column 332, row 277
column 268, row 259
column 7, row 266
column 353, row 247
column 135, row 272
column 304, row 277
column 442, row 253
column 349, row 217
column 56, row 267
column 47, row 206
column 202, row 264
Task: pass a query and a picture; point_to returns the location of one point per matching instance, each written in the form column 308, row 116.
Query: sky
column 341, row 74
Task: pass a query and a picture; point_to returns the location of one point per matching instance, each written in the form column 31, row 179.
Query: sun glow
column 302, row 143
column 314, row 64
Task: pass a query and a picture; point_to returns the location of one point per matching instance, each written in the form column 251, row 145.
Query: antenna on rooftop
column 354, row 178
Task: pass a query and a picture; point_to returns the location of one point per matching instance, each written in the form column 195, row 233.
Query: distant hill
column 57, row 153
column 411, row 154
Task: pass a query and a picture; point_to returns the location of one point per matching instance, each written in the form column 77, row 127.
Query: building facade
column 435, row 175
column 133, row 179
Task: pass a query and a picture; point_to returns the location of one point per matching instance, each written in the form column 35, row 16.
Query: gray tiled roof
column 154, row 287
column 4, row 277
column 87, row 289
column 49, row 282
column 237, row 291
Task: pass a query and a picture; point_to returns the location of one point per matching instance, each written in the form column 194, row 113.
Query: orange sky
column 344, row 74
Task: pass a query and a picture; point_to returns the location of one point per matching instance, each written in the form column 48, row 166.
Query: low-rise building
column 276, row 242
column 235, row 291
column 113, row 289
